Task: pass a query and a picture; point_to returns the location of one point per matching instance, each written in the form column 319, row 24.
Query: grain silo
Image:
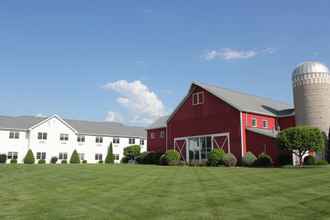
column 311, row 91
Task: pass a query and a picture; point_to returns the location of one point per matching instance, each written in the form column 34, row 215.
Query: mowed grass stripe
column 155, row 192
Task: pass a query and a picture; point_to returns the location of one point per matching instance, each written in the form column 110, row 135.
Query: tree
column 110, row 158
column 132, row 151
column 300, row 140
column 29, row 158
column 328, row 148
column 75, row 157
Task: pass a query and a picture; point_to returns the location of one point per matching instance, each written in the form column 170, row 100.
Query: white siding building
column 57, row 137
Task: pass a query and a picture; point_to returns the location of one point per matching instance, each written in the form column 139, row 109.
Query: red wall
column 286, row 122
column 156, row 144
column 258, row 144
column 214, row 116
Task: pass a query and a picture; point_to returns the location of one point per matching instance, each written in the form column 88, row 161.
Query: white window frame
column 64, row 156
column 64, row 137
column 99, row 139
column 12, row 155
column 98, row 156
column 116, row 140
column 142, row 141
column 152, row 135
column 131, row 141
column 116, row 156
column 265, row 124
column 14, row 135
column 82, row 156
column 254, row 122
column 81, row 138
column 196, row 94
column 41, row 155
column 44, row 135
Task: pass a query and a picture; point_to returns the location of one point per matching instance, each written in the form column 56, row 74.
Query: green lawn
column 155, row 192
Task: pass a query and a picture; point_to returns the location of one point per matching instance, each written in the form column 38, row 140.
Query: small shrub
column 3, row 158
column 64, row 162
column 215, row 157
column 309, row 160
column 100, row 161
column 53, row 160
column 284, row 159
column 124, row 160
column 13, row 161
column 75, row 157
column 263, row 160
column 84, row 161
column 110, row 157
column 41, row 161
column 171, row 157
column 229, row 160
column 248, row 159
column 132, row 151
column 321, row 162
column 29, row 158
column 148, row 158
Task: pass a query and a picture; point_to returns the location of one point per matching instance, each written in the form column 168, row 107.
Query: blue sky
column 66, row 57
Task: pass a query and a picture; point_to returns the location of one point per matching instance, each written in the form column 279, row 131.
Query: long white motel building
column 57, row 137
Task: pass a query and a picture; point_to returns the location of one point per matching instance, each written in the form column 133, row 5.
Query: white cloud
column 143, row 105
column 114, row 117
column 232, row 54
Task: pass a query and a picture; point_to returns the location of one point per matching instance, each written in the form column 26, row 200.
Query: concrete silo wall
column 312, row 100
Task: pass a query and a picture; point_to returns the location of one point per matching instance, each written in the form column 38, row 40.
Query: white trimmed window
column 254, row 122
column 131, row 141
column 152, row 135
column 14, row 135
column 99, row 139
column 62, row 156
column 64, row 137
column 162, row 134
column 265, row 123
column 41, row 155
column 98, row 156
column 141, row 141
column 42, row 136
column 116, row 140
column 81, row 138
column 198, row 98
column 116, row 156
column 12, row 155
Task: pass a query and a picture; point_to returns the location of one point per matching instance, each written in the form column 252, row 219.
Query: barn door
column 222, row 142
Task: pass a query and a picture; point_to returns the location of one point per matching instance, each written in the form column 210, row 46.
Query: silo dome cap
column 310, row 67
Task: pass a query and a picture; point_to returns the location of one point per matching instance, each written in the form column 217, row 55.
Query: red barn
column 213, row 117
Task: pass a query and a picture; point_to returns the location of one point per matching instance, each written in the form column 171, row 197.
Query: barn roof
column 159, row 123
column 265, row 132
column 82, row 127
column 248, row 103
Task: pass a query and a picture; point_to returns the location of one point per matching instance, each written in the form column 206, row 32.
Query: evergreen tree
column 110, row 158
column 75, row 157
column 29, row 158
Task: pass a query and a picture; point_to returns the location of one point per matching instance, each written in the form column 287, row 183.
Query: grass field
column 155, row 192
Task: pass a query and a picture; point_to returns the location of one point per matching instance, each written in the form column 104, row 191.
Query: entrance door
column 198, row 148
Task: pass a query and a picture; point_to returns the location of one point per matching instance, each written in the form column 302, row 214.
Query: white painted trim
column 242, row 130
column 58, row 118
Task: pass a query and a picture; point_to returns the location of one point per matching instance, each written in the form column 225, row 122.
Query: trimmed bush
column 84, row 161
column 29, row 158
column 309, row 160
column 110, row 157
column 171, row 157
column 3, row 158
column 229, row 160
column 215, row 157
column 124, row 160
column 284, row 159
column 75, row 157
column 13, row 161
column 321, row 162
column 149, row 158
column 132, row 151
column 263, row 160
column 248, row 159
column 100, row 161
column 41, row 161
column 64, row 162
column 53, row 160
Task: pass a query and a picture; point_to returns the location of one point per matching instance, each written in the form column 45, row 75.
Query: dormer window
column 198, row 98
column 254, row 122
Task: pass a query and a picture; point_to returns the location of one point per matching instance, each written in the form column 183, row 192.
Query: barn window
column 254, row 122
column 265, row 124
column 198, row 98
